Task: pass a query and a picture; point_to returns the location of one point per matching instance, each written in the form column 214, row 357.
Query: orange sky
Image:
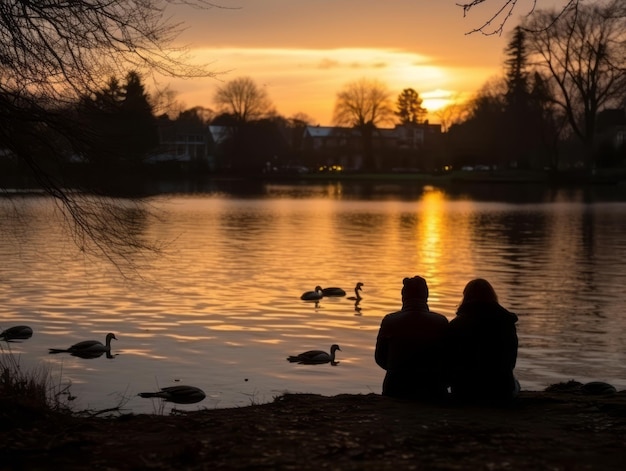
column 304, row 52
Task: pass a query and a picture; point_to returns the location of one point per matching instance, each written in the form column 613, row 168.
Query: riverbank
column 562, row 429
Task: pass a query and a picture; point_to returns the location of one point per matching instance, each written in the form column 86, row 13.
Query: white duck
column 88, row 348
column 313, row 295
column 178, row 394
column 357, row 295
column 315, row 357
column 18, row 332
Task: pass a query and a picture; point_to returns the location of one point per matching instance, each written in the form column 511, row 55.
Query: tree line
column 56, row 93
column 564, row 85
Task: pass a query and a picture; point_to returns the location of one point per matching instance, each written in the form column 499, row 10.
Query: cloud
column 327, row 63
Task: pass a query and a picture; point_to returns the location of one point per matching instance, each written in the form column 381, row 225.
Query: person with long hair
column 481, row 347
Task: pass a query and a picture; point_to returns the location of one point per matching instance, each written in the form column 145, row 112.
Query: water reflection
column 220, row 307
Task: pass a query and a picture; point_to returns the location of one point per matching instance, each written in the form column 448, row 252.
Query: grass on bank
column 32, row 392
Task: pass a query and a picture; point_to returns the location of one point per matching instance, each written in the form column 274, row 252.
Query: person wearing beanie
column 409, row 346
column 482, row 347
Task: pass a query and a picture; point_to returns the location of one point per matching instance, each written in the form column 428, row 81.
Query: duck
column 180, row 394
column 88, row 348
column 357, row 295
column 18, row 332
column 313, row 295
column 315, row 357
column 333, row 291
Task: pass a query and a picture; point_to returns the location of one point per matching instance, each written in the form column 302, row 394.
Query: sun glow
column 308, row 80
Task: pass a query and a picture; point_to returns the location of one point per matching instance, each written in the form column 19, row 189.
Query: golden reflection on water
column 222, row 303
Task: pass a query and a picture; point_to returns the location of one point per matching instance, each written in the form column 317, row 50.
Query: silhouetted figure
column 409, row 346
column 482, row 347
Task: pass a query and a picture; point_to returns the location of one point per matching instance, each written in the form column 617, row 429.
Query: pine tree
column 516, row 69
column 409, row 107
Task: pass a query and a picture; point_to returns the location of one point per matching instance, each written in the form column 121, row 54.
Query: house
column 400, row 147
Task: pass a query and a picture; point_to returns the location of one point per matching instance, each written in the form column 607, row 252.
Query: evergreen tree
column 409, row 107
column 138, row 126
column 516, row 75
column 121, row 119
column 518, row 110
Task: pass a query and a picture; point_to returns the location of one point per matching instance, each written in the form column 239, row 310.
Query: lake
column 218, row 306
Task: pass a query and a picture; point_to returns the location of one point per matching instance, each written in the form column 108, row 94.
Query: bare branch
column 496, row 20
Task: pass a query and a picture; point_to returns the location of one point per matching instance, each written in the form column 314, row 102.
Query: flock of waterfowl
column 319, row 293
column 184, row 394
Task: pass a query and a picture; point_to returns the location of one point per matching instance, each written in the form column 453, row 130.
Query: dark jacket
column 481, row 351
column 409, row 346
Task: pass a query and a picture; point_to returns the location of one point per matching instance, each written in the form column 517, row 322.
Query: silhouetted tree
column 501, row 11
column 54, row 52
column 409, row 107
column 584, row 59
column 244, row 99
column 364, row 104
column 519, row 109
column 482, row 137
column 122, row 117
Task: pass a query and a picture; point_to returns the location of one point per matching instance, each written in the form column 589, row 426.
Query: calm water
column 220, row 307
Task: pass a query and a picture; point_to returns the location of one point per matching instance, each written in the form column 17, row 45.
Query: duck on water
column 88, row 348
column 315, row 357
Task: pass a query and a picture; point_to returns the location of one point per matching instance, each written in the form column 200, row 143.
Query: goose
column 313, row 295
column 333, row 291
column 178, row 394
column 88, row 348
column 18, row 332
column 315, row 357
column 357, row 295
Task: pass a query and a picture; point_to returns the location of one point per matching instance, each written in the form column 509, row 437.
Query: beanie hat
column 414, row 288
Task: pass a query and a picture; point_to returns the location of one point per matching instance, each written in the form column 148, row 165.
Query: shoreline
column 558, row 429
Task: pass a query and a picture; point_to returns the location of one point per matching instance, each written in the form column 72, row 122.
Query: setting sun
column 303, row 54
column 307, row 80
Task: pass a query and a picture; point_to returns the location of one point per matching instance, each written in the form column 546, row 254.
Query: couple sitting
column 473, row 355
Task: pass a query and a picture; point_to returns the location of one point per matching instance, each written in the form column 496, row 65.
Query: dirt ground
column 558, row 430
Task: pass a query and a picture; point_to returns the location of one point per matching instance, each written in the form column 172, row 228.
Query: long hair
column 479, row 290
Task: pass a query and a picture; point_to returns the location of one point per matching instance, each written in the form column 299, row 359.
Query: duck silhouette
column 357, row 294
column 315, row 357
column 88, row 348
column 18, row 332
column 333, row 291
column 315, row 295
column 180, row 394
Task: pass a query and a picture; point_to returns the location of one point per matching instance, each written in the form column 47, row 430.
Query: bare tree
column 501, row 11
column 244, row 99
column 53, row 53
column 364, row 104
column 583, row 58
column 453, row 113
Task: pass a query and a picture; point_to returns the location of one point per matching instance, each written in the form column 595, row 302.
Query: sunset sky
column 304, row 52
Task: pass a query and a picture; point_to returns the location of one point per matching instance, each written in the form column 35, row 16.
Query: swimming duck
column 313, row 295
column 18, row 332
column 88, row 348
column 357, row 295
column 178, row 394
column 315, row 357
column 333, row 291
